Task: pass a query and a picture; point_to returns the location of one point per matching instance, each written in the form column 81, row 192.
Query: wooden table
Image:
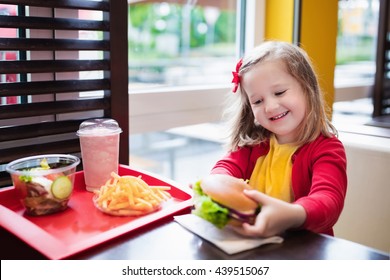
column 166, row 239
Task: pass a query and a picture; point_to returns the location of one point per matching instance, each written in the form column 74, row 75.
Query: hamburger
column 220, row 200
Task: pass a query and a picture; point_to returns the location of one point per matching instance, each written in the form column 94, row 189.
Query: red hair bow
column 236, row 77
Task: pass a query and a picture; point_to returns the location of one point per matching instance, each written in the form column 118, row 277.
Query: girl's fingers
column 254, row 230
column 256, row 196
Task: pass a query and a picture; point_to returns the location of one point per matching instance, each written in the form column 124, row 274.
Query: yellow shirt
column 272, row 172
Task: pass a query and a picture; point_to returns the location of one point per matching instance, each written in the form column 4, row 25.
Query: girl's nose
column 271, row 105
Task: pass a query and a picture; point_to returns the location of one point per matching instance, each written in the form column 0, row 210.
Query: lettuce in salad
column 44, row 165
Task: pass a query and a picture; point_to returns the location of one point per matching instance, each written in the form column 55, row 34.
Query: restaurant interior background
column 181, row 54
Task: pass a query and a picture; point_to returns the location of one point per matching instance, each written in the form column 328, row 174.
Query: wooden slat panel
column 55, row 107
column 387, row 44
column 76, row 4
column 38, row 130
column 48, row 66
column 33, row 88
column 52, row 23
column 61, row 147
column 119, row 74
column 381, row 58
column 52, row 44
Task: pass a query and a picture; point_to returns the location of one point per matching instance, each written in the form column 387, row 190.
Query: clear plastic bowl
column 44, row 183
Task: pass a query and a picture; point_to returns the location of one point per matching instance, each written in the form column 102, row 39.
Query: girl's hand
column 275, row 216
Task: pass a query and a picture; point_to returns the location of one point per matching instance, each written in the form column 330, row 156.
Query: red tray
column 81, row 226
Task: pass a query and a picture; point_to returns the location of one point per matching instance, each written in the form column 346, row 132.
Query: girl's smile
column 277, row 99
column 279, row 116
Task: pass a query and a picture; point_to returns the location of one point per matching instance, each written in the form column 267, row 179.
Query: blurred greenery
column 355, row 49
column 356, row 41
column 148, row 22
column 163, row 35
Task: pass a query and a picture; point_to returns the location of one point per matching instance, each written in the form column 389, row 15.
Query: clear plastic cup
column 99, row 143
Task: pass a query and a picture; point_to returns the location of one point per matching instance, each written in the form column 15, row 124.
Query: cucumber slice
column 61, row 187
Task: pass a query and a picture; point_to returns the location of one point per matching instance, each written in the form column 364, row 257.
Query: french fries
column 129, row 196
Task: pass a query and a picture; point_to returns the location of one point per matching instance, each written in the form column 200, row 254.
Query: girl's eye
column 257, row 102
column 280, row 92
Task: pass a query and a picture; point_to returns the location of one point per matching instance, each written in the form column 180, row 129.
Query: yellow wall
column 318, row 38
column 318, row 34
column 279, row 20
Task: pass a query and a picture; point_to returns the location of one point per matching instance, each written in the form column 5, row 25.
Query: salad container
column 44, row 183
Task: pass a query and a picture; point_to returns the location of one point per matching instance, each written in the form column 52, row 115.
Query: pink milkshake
column 99, row 142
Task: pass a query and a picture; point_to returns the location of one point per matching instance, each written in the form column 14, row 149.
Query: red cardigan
column 319, row 178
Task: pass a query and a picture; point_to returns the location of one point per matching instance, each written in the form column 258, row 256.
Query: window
column 356, row 41
column 356, row 60
column 180, row 55
column 181, row 58
column 179, row 43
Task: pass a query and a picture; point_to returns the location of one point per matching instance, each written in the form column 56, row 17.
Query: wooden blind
column 382, row 75
column 52, row 81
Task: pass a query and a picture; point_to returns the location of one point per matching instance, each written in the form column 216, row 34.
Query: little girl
column 282, row 141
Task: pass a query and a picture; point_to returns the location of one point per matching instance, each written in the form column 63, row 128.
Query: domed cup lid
column 99, row 127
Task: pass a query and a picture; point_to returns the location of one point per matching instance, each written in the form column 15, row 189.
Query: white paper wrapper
column 227, row 240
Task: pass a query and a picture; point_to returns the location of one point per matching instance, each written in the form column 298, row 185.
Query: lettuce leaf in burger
column 220, row 200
